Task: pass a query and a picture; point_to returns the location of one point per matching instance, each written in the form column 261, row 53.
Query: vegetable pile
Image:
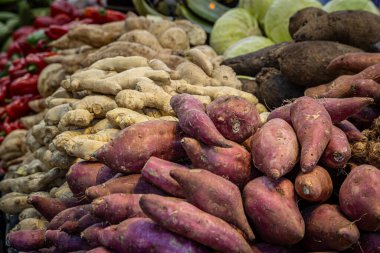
column 147, row 141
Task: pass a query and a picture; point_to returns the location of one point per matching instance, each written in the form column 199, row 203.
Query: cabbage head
column 257, row 8
column 231, row 27
column 247, row 45
column 340, row 5
column 276, row 20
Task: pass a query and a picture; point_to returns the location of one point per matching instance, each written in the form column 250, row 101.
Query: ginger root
column 14, row 202
column 142, row 37
column 55, row 114
column 96, row 104
column 53, row 102
column 78, row 118
column 120, row 63
column 101, row 125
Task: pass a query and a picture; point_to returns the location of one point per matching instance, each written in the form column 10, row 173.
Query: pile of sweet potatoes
column 218, row 180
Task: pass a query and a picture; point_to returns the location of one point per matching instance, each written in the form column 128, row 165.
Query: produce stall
column 192, row 126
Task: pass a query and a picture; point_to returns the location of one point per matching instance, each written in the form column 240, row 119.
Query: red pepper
column 26, row 84
column 3, row 60
column 62, row 19
column 35, row 63
column 22, row 32
column 17, row 69
column 4, row 87
column 11, row 126
column 56, row 31
column 101, row 15
column 19, row 107
column 43, row 21
column 62, row 7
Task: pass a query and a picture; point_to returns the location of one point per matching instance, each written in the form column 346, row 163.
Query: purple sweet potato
column 187, row 220
column 141, row 235
column 327, row 229
column 50, row 207
column 275, row 148
column 214, row 195
column 83, row 223
column 231, row 163
column 313, row 127
column 271, row 206
column 90, row 234
column 117, row 207
column 157, row 172
column 282, row 112
column 354, row 62
column 234, row 117
column 353, row 134
column 368, row 243
column 107, row 235
column 269, row 248
column 81, row 176
column 99, row 250
column 26, row 240
column 338, row 151
column 65, row 242
column 51, row 249
column 143, row 187
column 67, row 215
column 314, row 186
column 124, row 184
column 366, row 88
column 105, row 173
column 366, row 116
column 134, row 145
column 194, row 121
column 359, row 197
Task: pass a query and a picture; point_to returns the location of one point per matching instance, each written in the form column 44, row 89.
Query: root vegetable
column 142, row 37
column 29, row 121
column 65, row 42
column 98, row 105
column 139, row 22
column 120, row 63
column 31, row 224
column 354, row 62
column 214, row 195
column 367, row 243
column 99, row 250
column 53, row 102
column 92, row 35
column 157, row 172
column 314, row 186
column 14, row 202
column 81, row 176
column 359, row 197
column 65, row 242
column 83, row 147
column 352, row 133
column 234, row 117
column 200, row 59
column 90, row 234
column 338, row 151
column 366, row 88
column 231, row 163
column 29, row 213
column 37, row 105
column 313, row 125
column 105, row 173
column 55, row 114
column 50, row 79
column 196, row 35
column 27, row 240
column 134, row 145
column 272, row 208
column 178, row 216
column 69, row 215
column 63, row 139
column 327, row 229
column 78, row 118
column 101, row 125
column 194, row 121
column 275, row 148
column 174, row 38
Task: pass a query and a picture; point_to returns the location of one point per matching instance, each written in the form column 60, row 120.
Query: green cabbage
column 247, row 45
column 231, row 27
column 276, row 20
column 257, row 8
column 340, row 5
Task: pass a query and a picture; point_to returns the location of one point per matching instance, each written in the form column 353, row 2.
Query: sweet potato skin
column 234, row 117
column 338, row 151
column 117, row 207
column 26, row 240
column 99, row 250
column 157, row 172
column 150, row 237
column 178, row 216
column 125, row 184
column 353, row 134
column 214, row 195
column 272, row 208
column 105, row 173
column 231, row 163
column 194, row 121
column 81, row 176
column 359, row 197
column 67, row 215
column 275, row 148
column 327, row 229
column 136, row 144
column 368, row 242
column 354, row 62
column 314, row 186
column 65, row 242
column 313, row 127
column 90, row 234
column 269, row 248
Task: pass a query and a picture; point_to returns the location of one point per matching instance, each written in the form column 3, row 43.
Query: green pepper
column 35, row 37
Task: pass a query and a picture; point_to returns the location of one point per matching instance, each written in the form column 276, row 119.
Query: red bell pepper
column 10, row 126
column 101, row 15
column 43, row 21
column 35, row 63
column 4, row 87
column 17, row 68
column 63, row 7
column 54, row 32
column 22, row 32
column 3, row 60
column 26, row 84
column 19, row 107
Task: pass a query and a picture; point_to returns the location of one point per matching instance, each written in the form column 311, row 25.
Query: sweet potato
column 214, row 195
column 67, row 215
column 65, row 242
column 275, row 148
column 270, row 248
column 150, row 237
column 231, row 163
column 90, row 234
column 365, row 117
column 117, row 207
column 327, row 229
column 27, row 240
column 81, row 176
column 368, row 242
column 124, row 184
column 104, row 174
column 348, row 27
column 99, row 250
column 338, row 151
column 354, row 62
column 359, row 197
column 194, row 121
column 313, row 125
column 157, row 172
column 144, row 187
column 134, row 145
column 272, row 208
column 366, row 88
column 314, row 186
column 183, row 218
column 234, row 117
column 353, row 134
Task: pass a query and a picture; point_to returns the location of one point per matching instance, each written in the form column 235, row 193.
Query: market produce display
column 145, row 139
